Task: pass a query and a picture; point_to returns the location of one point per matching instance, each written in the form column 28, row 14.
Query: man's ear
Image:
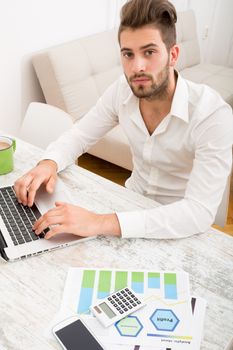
column 174, row 54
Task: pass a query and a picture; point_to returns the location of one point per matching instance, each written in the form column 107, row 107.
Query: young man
column 180, row 134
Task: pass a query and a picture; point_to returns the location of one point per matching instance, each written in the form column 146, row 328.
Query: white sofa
column 73, row 75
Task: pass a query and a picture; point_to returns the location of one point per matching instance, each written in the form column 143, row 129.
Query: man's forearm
column 49, row 162
column 109, row 225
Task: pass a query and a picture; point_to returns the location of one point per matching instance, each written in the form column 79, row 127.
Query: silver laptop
column 17, row 239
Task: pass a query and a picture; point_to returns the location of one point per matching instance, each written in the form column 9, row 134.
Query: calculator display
column 106, row 309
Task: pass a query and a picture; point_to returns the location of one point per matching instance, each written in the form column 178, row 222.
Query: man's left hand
column 68, row 218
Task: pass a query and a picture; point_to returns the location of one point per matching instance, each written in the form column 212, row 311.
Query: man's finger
column 48, row 214
column 21, row 188
column 47, row 222
column 54, row 231
column 32, row 189
column 50, row 185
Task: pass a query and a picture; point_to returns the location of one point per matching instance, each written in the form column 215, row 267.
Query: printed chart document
column 171, row 319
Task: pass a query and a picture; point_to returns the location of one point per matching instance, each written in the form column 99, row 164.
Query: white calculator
column 116, row 306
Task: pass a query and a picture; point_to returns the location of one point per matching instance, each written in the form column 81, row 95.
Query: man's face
column 145, row 61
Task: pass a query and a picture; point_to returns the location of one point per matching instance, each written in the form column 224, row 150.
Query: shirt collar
column 179, row 107
column 180, row 102
column 129, row 97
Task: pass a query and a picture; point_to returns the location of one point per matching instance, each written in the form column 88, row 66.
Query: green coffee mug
column 7, row 148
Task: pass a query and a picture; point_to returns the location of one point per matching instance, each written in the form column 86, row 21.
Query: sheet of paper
column 166, row 293
column 169, row 321
column 154, row 325
column 198, row 306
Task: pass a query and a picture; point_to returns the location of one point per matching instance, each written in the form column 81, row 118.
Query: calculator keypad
column 124, row 300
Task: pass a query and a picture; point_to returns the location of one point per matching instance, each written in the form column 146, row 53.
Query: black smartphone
column 73, row 334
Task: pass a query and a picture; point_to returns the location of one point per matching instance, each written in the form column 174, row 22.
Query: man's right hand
column 26, row 186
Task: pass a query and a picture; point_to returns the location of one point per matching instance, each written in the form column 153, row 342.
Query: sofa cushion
column 217, row 77
column 82, row 73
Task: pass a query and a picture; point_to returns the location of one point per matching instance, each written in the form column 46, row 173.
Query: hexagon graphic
column 164, row 320
column 129, row 326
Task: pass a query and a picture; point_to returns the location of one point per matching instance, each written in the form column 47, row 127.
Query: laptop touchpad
column 46, row 201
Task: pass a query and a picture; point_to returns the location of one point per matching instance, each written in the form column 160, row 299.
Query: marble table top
column 31, row 289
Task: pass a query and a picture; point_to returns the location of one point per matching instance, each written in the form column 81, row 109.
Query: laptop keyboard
column 17, row 218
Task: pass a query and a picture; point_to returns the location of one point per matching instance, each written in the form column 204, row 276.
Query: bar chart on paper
column 92, row 285
column 166, row 294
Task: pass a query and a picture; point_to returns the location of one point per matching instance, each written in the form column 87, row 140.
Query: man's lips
column 140, row 80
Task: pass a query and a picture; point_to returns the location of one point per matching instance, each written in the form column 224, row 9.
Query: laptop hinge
column 3, row 245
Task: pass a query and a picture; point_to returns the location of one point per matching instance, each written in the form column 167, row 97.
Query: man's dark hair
column 158, row 13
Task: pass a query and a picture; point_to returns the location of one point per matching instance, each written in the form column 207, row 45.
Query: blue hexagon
column 164, row 320
column 129, row 326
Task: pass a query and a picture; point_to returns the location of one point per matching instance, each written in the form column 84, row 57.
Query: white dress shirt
column 183, row 165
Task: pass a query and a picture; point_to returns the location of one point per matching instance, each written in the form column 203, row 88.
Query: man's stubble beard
column 157, row 90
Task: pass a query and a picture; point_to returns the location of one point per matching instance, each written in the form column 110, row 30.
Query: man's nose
column 138, row 65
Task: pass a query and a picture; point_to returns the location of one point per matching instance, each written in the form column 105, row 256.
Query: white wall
column 214, row 18
column 215, row 28
column 30, row 25
column 220, row 45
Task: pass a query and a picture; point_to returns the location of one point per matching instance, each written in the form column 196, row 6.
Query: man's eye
column 127, row 54
column 149, row 52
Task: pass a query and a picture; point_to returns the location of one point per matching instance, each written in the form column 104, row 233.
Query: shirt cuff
column 132, row 224
column 55, row 157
